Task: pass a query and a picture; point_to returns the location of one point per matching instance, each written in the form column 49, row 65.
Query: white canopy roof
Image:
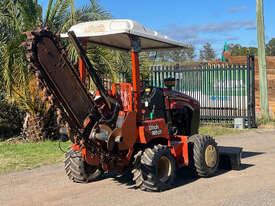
column 115, row 34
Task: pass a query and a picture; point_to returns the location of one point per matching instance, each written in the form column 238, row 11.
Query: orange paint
column 179, row 148
column 84, row 151
column 86, row 122
column 91, row 159
column 185, row 149
column 142, row 138
column 129, row 154
column 75, row 147
column 156, row 128
column 136, row 84
column 152, row 129
column 125, row 92
column 82, row 71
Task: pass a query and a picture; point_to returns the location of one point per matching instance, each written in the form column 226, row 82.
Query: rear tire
column 154, row 169
column 204, row 159
column 78, row 170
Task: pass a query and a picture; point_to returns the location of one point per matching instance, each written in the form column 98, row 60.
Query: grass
column 266, row 123
column 219, row 130
column 20, row 156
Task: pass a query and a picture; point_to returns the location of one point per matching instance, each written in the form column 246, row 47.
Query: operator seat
column 152, row 102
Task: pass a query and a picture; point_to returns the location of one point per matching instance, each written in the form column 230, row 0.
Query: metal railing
column 225, row 92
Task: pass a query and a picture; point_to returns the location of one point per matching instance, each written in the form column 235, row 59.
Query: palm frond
column 29, row 14
column 48, row 11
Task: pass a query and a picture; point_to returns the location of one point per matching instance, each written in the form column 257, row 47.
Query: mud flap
column 230, row 157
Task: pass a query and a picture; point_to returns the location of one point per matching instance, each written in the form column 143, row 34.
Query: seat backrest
column 152, row 102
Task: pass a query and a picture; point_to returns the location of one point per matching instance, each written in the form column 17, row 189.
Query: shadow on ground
column 246, row 154
column 184, row 175
column 245, row 166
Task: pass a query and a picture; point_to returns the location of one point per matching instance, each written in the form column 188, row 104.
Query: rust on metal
column 128, row 131
column 112, row 138
column 57, row 78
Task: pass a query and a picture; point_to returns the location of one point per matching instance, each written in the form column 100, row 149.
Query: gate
column 225, row 92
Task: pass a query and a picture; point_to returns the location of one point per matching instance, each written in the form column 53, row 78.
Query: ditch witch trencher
column 150, row 131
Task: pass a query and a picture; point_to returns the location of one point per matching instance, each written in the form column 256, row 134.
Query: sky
column 196, row 21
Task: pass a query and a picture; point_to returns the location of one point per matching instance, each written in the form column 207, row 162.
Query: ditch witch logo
column 155, row 130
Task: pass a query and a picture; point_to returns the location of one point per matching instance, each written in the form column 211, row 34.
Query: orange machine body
column 133, row 129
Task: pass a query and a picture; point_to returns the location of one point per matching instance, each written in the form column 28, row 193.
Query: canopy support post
column 82, row 69
column 136, row 48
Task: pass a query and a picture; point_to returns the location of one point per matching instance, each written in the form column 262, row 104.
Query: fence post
column 152, row 75
column 253, row 105
column 176, row 76
column 248, row 92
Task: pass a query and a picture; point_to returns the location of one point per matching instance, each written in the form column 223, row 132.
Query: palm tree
column 18, row 16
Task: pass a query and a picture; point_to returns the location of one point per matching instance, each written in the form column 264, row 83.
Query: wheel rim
column 210, row 156
column 164, row 169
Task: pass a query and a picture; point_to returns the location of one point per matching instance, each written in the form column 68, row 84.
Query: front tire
column 205, row 157
column 154, row 169
column 78, row 170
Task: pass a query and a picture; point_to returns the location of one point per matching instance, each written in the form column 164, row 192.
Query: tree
column 270, row 47
column 190, row 53
column 177, row 55
column 19, row 16
column 238, row 50
column 207, row 53
column 11, row 118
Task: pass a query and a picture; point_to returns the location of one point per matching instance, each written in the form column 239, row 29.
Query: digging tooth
column 57, row 40
column 38, row 83
column 58, row 111
column 32, row 67
column 44, row 99
column 51, row 97
column 24, row 44
column 48, row 107
column 60, row 46
column 38, row 74
column 29, row 46
column 68, row 129
column 59, row 119
column 46, row 91
column 43, row 82
column 51, row 104
column 30, row 37
column 29, row 56
column 29, row 68
column 63, row 52
column 35, row 33
column 39, row 28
